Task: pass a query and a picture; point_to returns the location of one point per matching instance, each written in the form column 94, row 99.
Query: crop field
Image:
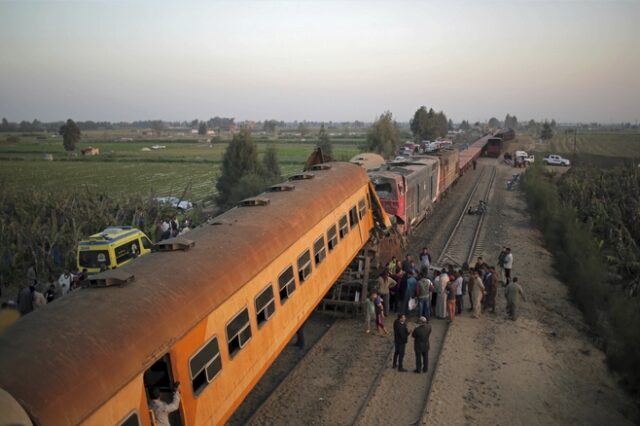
column 614, row 144
column 133, row 167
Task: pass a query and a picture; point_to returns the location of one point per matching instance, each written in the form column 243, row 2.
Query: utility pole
column 575, row 133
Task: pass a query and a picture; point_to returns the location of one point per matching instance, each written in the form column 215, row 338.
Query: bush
column 43, row 228
column 580, row 264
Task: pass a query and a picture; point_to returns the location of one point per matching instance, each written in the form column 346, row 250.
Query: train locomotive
column 408, row 188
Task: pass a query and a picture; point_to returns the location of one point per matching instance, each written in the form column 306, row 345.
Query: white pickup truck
column 522, row 156
column 555, row 160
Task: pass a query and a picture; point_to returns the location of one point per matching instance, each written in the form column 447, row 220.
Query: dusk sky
column 121, row 60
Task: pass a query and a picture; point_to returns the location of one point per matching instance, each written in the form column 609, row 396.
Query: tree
column 428, row 125
column 270, row 126
column 240, row 159
column 270, row 166
column 419, row 124
column 303, row 129
column 547, row 131
column 553, row 123
column 202, row 128
column 157, row 126
column 450, row 124
column 464, row 125
column 70, row 135
column 324, row 142
column 383, row 136
column 494, row 123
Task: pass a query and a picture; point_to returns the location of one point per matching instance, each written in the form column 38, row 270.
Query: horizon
column 320, row 61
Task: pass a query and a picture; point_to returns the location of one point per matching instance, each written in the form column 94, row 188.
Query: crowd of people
column 411, row 287
column 35, row 294
column 170, row 227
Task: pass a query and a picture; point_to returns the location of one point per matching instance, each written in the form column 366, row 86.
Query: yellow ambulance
column 112, row 248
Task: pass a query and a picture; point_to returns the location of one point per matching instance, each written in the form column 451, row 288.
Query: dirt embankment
column 542, row 368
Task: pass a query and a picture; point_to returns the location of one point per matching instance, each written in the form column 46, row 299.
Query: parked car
column 555, row 160
column 176, row 203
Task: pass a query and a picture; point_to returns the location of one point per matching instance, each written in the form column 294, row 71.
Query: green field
column 124, row 167
column 613, row 144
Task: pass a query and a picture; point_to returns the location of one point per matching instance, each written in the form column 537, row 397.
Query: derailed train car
column 213, row 317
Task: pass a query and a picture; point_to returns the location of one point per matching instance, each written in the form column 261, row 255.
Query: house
column 90, row 151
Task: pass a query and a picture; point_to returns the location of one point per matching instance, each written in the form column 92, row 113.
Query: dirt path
column 541, row 369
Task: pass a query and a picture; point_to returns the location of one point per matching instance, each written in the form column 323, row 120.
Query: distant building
column 90, row 151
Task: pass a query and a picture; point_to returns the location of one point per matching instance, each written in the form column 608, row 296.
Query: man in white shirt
column 161, row 409
column 508, row 264
column 65, row 282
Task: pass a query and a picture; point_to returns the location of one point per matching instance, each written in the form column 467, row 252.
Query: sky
column 319, row 60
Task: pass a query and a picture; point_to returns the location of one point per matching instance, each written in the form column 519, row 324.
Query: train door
column 159, row 376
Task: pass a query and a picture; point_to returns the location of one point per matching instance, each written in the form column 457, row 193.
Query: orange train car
column 213, row 317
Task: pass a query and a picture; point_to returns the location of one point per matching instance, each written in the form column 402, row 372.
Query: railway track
column 464, row 242
column 381, row 388
column 461, row 246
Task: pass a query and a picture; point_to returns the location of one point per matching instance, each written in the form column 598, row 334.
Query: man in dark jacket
column 400, row 337
column 421, row 345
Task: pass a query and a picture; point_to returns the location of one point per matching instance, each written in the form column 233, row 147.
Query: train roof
column 368, row 160
column 65, row 360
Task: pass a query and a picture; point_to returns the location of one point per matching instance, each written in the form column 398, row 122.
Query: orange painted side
column 217, row 402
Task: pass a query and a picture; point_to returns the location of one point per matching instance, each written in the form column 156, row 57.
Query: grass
column 122, row 167
column 612, row 144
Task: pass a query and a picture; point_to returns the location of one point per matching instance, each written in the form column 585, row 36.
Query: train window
column 238, row 332
column 353, row 217
column 265, row 305
column 344, row 228
column 361, row 208
column 132, row 419
column 332, row 237
column 287, row 284
column 205, row 365
column 304, row 266
column 319, row 252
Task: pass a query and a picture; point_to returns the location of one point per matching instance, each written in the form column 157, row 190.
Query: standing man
column 513, row 293
column 451, row 289
column 383, row 286
column 477, row 293
column 421, row 345
column 410, row 291
column 370, row 310
column 400, row 337
column 65, row 282
column 501, row 256
column 425, row 288
column 508, row 264
column 458, row 283
column 406, row 263
column 441, row 288
column 491, row 296
column 161, row 409
column 425, row 261
column 487, row 280
column 24, row 301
